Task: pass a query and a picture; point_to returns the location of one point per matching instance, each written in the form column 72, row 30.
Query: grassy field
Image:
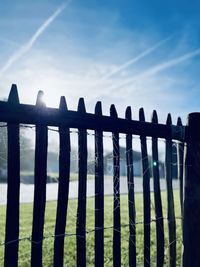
column 70, row 242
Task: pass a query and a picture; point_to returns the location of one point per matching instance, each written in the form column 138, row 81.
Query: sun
column 49, row 99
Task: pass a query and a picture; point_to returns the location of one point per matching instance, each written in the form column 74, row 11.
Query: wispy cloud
column 137, row 58
column 8, row 42
column 28, row 45
column 156, row 69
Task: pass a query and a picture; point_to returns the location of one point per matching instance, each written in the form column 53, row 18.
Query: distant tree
column 25, row 144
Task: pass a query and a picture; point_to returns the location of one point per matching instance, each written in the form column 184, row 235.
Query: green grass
column 70, row 242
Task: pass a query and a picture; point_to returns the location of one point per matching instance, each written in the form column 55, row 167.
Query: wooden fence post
column 160, row 239
column 99, row 194
column 131, row 194
column 40, row 178
column 146, row 194
column 116, row 196
column 191, row 207
column 82, row 191
column 13, row 192
column 170, row 200
column 63, row 189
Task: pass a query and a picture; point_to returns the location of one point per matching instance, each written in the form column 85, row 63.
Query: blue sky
column 127, row 52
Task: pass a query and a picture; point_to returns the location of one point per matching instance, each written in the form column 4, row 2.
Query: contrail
column 158, row 68
column 28, row 45
column 137, row 58
column 171, row 63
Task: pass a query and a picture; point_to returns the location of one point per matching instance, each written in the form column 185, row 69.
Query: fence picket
column 99, row 194
column 63, row 190
column 116, row 191
column 157, row 200
column 131, row 196
column 170, row 200
column 81, row 210
column 146, row 194
column 12, row 212
column 180, row 166
column 39, row 187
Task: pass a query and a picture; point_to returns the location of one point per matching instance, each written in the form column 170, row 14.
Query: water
column 27, row 190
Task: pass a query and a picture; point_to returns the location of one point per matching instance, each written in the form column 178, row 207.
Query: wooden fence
column 14, row 114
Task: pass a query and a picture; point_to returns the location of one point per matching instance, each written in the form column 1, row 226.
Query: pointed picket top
column 179, row 122
column 154, row 117
column 113, row 111
column 128, row 113
column 169, row 119
column 98, row 108
column 81, row 105
column 63, row 104
column 13, row 95
column 40, row 102
column 141, row 114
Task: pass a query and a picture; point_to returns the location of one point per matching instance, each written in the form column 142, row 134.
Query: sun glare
column 50, row 100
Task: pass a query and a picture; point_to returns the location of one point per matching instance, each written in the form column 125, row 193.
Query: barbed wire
column 29, row 238
column 89, row 132
column 109, row 136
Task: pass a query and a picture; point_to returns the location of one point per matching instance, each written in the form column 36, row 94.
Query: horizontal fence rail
column 152, row 209
column 30, row 114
